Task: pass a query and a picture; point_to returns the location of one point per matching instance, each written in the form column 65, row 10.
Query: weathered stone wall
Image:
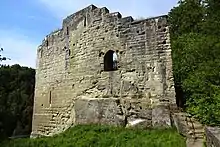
column 70, row 67
column 212, row 136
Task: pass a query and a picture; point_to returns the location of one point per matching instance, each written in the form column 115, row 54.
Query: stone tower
column 77, row 81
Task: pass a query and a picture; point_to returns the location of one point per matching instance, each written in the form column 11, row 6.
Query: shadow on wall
column 180, row 98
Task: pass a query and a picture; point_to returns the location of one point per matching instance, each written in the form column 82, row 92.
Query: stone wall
column 212, row 136
column 70, row 68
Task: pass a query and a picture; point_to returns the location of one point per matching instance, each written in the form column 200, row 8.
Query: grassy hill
column 104, row 136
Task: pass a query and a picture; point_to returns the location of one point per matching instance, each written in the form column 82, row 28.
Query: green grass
column 104, row 136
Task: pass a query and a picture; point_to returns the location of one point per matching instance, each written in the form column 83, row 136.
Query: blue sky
column 24, row 23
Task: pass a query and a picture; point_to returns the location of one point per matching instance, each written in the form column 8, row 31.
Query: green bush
column 203, row 90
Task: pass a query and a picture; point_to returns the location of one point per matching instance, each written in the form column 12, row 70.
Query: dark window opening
column 47, row 43
column 50, row 98
column 110, row 61
column 67, row 31
column 41, row 53
column 84, row 21
column 164, row 42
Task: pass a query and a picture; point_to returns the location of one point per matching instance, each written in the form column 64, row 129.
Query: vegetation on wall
column 16, row 100
column 195, row 41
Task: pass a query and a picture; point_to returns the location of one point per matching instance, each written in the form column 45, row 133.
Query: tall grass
column 104, row 136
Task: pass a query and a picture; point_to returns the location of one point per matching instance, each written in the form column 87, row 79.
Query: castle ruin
column 77, row 81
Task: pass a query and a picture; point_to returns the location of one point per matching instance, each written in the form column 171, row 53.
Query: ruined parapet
column 72, row 65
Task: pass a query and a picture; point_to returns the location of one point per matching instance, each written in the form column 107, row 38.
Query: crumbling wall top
column 80, row 12
column 91, row 13
column 157, row 19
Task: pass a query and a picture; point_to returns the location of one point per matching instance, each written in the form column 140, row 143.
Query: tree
column 195, row 41
column 212, row 17
column 16, row 99
column 2, row 58
column 186, row 17
column 203, row 89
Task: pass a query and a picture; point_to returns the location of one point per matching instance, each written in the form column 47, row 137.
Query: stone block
column 180, row 123
column 98, row 111
column 161, row 116
column 212, row 136
column 145, row 114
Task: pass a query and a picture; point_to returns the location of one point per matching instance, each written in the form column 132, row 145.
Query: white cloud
column 19, row 48
column 136, row 8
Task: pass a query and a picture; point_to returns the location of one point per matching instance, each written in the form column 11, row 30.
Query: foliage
column 16, row 98
column 195, row 45
column 211, row 23
column 2, row 58
column 104, row 136
column 186, row 18
column 203, row 90
column 189, row 50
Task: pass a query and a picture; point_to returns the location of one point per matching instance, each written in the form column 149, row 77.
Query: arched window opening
column 110, row 61
column 50, row 98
